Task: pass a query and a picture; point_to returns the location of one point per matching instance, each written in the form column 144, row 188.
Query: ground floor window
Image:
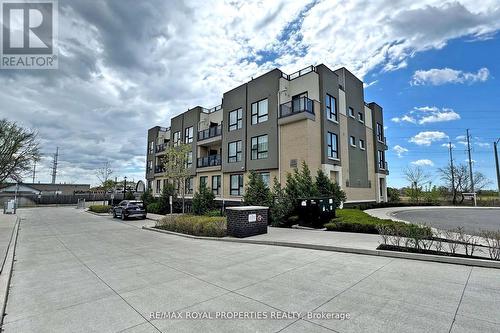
column 203, row 181
column 216, row 185
column 189, row 185
column 158, row 186
column 236, row 185
column 266, row 178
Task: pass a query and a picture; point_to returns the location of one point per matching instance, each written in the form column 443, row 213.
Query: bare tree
column 19, row 148
column 175, row 161
column 103, row 174
column 462, row 180
column 417, row 177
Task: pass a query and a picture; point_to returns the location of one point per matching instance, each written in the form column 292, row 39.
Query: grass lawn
column 355, row 220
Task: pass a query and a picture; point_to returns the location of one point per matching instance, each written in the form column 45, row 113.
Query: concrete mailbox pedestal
column 246, row 221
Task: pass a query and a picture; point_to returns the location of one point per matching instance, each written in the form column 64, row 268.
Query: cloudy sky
column 126, row 66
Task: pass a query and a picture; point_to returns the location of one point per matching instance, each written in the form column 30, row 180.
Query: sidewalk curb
column 6, row 272
column 382, row 253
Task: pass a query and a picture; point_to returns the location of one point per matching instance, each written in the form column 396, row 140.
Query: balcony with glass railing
column 209, row 161
column 297, row 105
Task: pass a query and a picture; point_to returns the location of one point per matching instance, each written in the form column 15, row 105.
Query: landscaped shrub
column 154, row 208
column 256, row 192
column 194, row 225
column 213, row 213
column 203, row 201
column 354, row 220
column 99, row 208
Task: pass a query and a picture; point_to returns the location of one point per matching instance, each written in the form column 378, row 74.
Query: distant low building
column 43, row 188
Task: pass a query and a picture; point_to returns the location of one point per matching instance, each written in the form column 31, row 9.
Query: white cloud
column 447, row 145
column 427, row 114
column 423, row 162
column 399, row 150
column 427, row 138
column 437, row 77
column 179, row 54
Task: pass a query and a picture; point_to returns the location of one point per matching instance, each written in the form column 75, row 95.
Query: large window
column 381, row 159
column 266, row 178
column 236, row 185
column 216, row 185
column 259, row 147
column 203, row 181
column 158, row 186
column 362, row 144
column 234, row 152
column 380, row 133
column 151, row 147
column 332, row 145
column 361, row 117
column 259, row 112
column 235, row 119
column 189, row 160
column 177, row 138
column 189, row 185
column 188, row 135
column 331, row 108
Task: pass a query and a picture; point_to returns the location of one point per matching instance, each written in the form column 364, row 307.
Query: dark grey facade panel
column 152, row 135
column 232, row 100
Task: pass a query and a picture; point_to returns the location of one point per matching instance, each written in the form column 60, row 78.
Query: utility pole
column 54, row 166
column 452, row 175
column 34, row 171
column 495, row 144
column 470, row 163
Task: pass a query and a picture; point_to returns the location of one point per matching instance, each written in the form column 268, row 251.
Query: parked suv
column 129, row 208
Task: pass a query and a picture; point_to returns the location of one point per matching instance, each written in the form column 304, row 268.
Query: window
column 331, row 108
column 351, row 112
column 151, row 147
column 158, row 186
column 235, row 119
column 259, row 147
column 381, row 159
column 259, row 112
column 361, row 117
column 380, row 133
column 189, row 160
column 361, row 144
column 236, row 185
column 234, row 153
column 150, row 166
column 266, row 178
column 203, row 181
column 352, row 141
column 189, row 185
column 188, row 135
column 177, row 138
column 216, row 185
column 332, row 143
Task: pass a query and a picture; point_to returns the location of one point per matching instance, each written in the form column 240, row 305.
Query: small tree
column 164, row 201
column 129, row 195
column 147, row 197
column 103, row 175
column 393, row 194
column 281, row 205
column 175, row 162
column 300, row 184
column 326, row 188
column 256, row 191
column 417, row 177
column 19, row 149
column 203, row 201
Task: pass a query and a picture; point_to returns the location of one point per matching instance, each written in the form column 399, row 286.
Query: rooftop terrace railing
column 299, row 73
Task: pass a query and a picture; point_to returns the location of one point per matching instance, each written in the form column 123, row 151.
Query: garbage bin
column 246, row 221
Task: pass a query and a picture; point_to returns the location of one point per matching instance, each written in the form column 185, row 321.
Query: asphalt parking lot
column 471, row 219
column 77, row 272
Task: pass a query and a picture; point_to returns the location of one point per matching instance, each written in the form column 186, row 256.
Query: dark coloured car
column 130, row 208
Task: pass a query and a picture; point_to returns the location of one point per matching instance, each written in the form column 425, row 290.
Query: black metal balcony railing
column 208, row 161
column 160, row 148
column 298, row 105
column 383, row 165
column 159, row 169
column 210, row 133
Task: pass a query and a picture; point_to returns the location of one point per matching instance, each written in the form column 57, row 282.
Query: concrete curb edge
column 7, row 271
column 382, row 253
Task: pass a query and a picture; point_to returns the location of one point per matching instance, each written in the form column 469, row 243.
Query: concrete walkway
column 78, row 272
column 7, row 223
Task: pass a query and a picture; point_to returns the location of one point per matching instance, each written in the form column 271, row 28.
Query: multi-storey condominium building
column 273, row 123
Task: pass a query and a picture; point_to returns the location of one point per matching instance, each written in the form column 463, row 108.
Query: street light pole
column 124, row 186
column 495, row 144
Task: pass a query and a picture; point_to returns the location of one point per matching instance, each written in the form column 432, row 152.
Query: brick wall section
column 238, row 224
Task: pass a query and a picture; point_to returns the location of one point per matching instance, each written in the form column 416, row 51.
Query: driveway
column 76, row 272
column 471, row 219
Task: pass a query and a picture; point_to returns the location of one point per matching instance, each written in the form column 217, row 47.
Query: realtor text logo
column 28, row 34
